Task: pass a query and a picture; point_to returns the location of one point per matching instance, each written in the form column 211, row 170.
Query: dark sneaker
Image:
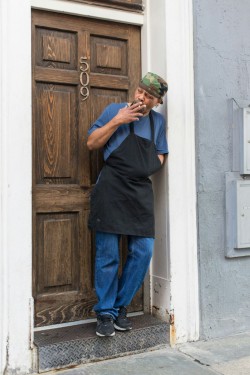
column 105, row 325
column 122, row 323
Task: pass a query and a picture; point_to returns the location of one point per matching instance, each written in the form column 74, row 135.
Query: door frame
column 178, row 216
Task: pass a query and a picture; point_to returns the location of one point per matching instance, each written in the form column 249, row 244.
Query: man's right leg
column 106, row 281
column 140, row 250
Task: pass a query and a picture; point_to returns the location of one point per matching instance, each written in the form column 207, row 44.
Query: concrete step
column 75, row 345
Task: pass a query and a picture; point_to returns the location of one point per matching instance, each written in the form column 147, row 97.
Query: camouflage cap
column 154, row 85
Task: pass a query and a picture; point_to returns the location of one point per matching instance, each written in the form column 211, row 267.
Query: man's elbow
column 90, row 144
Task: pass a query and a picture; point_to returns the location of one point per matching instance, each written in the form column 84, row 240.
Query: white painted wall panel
column 237, row 216
column 244, row 145
column 243, row 214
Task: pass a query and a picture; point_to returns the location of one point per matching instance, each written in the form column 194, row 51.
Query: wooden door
column 80, row 65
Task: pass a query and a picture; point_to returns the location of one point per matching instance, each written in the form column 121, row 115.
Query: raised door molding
column 131, row 5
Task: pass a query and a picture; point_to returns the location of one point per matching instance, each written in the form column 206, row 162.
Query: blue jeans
column 113, row 292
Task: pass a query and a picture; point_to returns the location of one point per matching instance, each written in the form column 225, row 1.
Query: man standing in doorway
column 134, row 141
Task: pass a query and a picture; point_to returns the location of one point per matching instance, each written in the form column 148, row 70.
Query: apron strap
column 131, row 126
column 152, row 126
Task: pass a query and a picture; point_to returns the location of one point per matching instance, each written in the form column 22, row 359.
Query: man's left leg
column 106, row 281
column 140, row 250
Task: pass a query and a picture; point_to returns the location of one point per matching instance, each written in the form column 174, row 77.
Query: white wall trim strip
column 154, row 59
column 182, row 181
column 88, row 11
column 16, row 234
column 3, row 201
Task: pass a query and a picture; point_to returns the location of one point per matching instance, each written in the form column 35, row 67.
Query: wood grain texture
column 132, row 5
column 56, row 133
column 56, row 76
column 63, row 309
column 109, row 56
column 57, row 252
column 64, row 171
column 56, row 49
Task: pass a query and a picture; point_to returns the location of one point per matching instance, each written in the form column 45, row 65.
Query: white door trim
column 182, row 177
column 168, row 35
column 15, row 174
column 92, row 11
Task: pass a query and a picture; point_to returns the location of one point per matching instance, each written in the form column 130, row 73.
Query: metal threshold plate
column 78, row 344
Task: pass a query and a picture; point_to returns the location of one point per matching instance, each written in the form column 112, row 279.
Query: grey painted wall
column 222, row 71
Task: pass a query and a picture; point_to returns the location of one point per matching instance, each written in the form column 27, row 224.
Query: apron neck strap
column 131, row 125
column 152, row 126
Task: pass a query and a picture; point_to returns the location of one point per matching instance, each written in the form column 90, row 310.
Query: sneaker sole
column 122, row 329
column 101, row 335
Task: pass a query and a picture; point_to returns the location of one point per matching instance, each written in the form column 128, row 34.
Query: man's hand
column 161, row 158
column 100, row 136
column 130, row 113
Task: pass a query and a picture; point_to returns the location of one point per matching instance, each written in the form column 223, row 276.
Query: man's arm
column 100, row 136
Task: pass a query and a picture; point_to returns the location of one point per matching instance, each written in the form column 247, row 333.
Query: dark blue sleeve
column 109, row 112
column 102, row 120
column 161, row 140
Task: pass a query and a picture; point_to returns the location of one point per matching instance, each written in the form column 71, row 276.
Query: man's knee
column 141, row 246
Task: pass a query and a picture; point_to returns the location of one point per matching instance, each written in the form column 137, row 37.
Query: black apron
column 122, row 201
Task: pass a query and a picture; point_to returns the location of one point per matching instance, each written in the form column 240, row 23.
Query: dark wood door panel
column 80, row 66
column 57, row 246
column 63, row 259
column 109, row 55
column 63, row 252
column 56, row 133
column 56, row 49
column 59, row 198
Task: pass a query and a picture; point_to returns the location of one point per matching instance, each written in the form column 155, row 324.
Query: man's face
column 147, row 99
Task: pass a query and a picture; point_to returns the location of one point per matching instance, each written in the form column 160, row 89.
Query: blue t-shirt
column 141, row 128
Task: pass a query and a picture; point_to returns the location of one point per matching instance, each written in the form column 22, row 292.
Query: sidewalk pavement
column 226, row 356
